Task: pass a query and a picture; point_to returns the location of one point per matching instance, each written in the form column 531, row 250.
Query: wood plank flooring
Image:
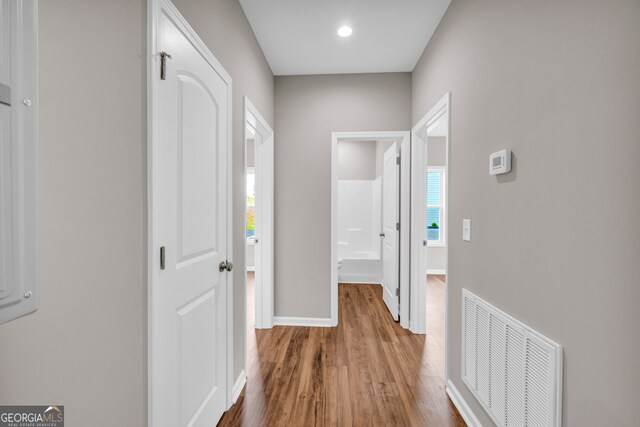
column 366, row 372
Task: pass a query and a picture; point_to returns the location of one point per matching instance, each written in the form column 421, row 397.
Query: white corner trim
column 461, row 405
column 239, row 385
column 436, row 271
column 303, row 321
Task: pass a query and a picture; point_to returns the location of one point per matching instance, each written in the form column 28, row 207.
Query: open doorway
column 359, row 205
column 259, row 226
column 369, row 206
column 259, row 212
column 429, row 223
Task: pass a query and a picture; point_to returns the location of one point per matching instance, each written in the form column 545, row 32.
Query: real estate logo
column 32, row 416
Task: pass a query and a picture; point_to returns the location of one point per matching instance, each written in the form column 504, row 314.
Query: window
column 251, row 205
column 435, row 205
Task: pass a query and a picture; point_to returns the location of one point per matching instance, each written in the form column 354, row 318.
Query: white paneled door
column 390, row 223
column 189, row 323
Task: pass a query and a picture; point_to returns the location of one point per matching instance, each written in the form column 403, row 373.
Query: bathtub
column 365, row 269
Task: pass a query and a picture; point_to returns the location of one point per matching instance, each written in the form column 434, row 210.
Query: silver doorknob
column 424, row 243
column 225, row 265
column 382, row 235
column 255, row 241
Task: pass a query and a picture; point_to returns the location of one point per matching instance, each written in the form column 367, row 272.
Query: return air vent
column 514, row 372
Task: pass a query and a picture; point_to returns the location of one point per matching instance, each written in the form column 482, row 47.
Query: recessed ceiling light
column 345, row 31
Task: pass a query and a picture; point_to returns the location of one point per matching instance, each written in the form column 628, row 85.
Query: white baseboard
column 436, row 271
column 358, row 278
column 239, row 385
column 467, row 414
column 360, row 283
column 302, row 321
column 251, row 268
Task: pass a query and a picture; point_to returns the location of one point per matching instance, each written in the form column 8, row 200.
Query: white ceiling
column 300, row 36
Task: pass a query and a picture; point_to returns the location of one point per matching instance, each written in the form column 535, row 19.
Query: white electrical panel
column 18, row 158
column 500, row 162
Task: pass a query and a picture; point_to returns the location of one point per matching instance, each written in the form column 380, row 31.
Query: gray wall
column 357, row 160
column 251, row 152
column 308, row 109
column 224, row 28
column 552, row 81
column 86, row 345
column 436, row 151
column 436, row 260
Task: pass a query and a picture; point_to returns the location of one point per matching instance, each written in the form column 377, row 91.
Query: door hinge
column 398, row 160
column 162, row 256
column 163, row 65
column 397, row 226
column 397, row 292
column 5, row 95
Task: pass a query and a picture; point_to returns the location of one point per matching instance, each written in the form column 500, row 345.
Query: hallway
column 367, row 371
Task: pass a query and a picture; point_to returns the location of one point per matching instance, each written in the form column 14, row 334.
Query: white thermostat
column 500, row 162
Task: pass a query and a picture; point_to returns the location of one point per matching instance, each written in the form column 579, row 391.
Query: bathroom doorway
column 369, row 204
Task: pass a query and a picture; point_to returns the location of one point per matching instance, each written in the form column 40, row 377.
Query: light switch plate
column 466, row 230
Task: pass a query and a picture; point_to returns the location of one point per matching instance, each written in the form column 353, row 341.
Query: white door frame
column 155, row 9
column 403, row 137
column 264, row 160
column 418, row 260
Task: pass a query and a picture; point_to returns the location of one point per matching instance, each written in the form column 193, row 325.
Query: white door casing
column 418, row 221
column 189, row 307
column 404, row 247
column 390, row 221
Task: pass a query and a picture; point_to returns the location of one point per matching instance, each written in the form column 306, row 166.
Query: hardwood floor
column 367, row 371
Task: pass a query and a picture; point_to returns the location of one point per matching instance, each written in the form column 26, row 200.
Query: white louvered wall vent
column 514, row 372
